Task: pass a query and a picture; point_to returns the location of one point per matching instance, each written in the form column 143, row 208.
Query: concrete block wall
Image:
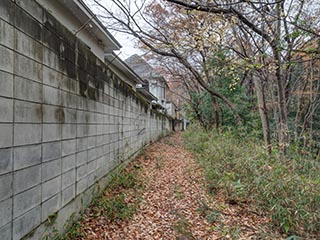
column 66, row 121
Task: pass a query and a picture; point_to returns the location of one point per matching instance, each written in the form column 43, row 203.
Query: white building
column 154, row 82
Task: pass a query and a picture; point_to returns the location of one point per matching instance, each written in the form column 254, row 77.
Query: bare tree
column 161, row 36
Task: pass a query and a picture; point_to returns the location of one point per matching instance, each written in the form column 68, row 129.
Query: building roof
column 91, row 24
column 142, row 68
column 114, row 60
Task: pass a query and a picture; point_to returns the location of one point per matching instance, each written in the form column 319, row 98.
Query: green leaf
column 293, row 237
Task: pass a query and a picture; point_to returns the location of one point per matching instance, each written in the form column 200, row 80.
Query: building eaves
column 147, row 95
column 91, row 23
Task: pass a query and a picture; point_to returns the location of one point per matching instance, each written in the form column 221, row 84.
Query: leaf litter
column 173, row 203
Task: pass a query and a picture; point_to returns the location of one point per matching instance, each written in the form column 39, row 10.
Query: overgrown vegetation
column 118, row 202
column 288, row 190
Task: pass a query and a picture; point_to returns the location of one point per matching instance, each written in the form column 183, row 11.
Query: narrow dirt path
column 170, row 202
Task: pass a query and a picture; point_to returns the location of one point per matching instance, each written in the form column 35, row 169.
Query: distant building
column 171, row 109
column 153, row 81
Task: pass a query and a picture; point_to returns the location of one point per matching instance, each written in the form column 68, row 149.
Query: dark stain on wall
column 39, row 112
column 27, row 24
column 75, row 59
column 60, row 115
column 8, row 9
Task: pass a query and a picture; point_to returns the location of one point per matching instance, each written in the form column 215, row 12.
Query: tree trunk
column 263, row 113
column 282, row 103
column 216, row 112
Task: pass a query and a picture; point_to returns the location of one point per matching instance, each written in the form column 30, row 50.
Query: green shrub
column 116, row 207
column 288, row 190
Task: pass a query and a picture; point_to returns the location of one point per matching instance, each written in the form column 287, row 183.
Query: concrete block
column 82, row 171
column 27, row 90
column 106, row 148
column 27, row 134
column 100, row 118
column 106, row 118
column 51, row 169
column 68, row 194
column 27, row 112
column 68, row 162
column 68, row 178
column 92, row 178
column 52, row 114
column 66, row 83
column 74, row 98
column 6, row 34
column 69, row 131
column 92, row 166
column 26, row 179
column 51, row 77
column 51, row 188
column 51, row 95
column 92, row 104
column 5, row 135
column 6, row 60
column 5, row 160
column 70, row 115
column 92, row 154
column 24, row 224
column 5, row 231
column 6, row 84
column 83, row 103
column 25, row 201
column 27, row 68
column 69, row 147
column 5, row 186
column 50, row 59
column 100, row 151
column 33, row 8
column 82, row 130
column 81, row 158
column 81, row 185
column 27, row 24
column 51, row 132
column 100, row 138
column 50, row 206
column 51, row 151
column 82, row 144
column 5, row 212
column 29, row 47
column 6, row 110
column 103, row 160
column 74, row 88
column 65, row 98
column 26, row 156
column 92, row 141
column 81, row 116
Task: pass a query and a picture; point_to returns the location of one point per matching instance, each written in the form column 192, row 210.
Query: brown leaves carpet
column 171, row 202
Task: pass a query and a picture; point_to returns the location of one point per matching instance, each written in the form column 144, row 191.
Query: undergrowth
column 288, row 190
column 118, row 202
column 114, row 204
